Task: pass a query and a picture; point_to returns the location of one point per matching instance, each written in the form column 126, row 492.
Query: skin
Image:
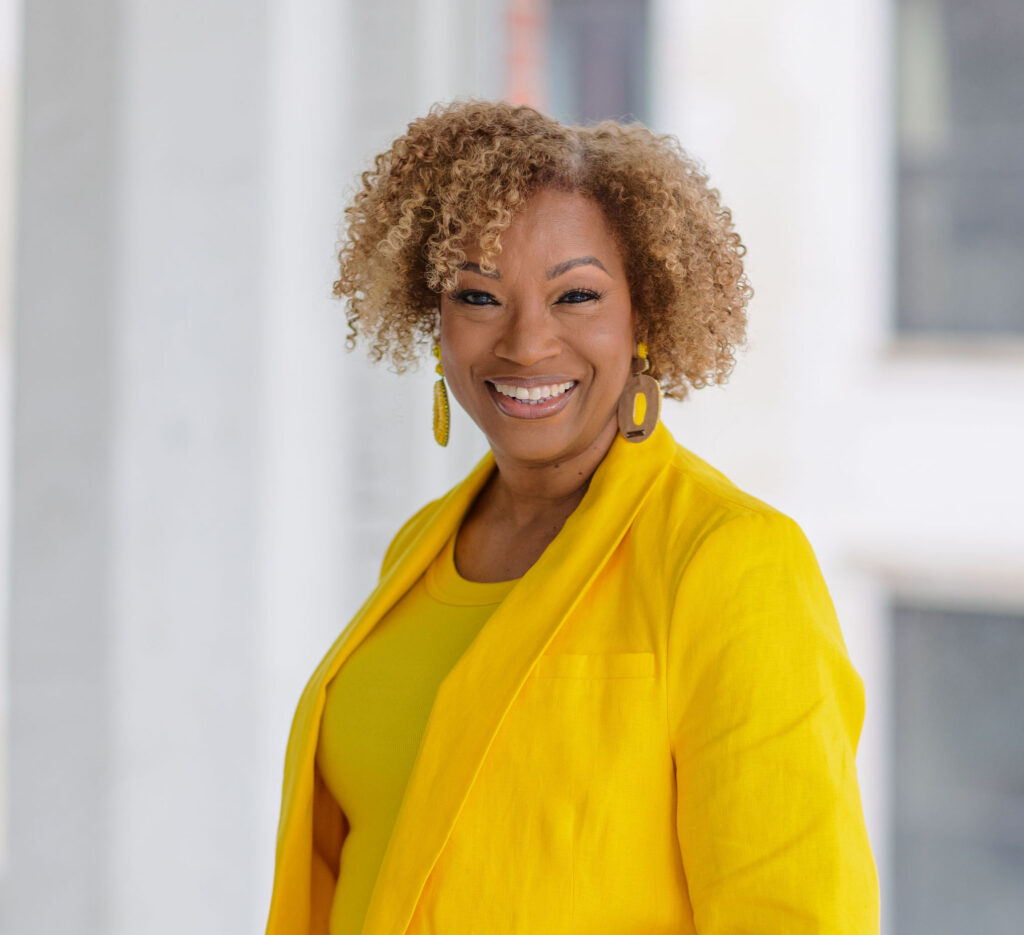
column 540, row 322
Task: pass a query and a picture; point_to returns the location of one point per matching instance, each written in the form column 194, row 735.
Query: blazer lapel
column 294, row 842
column 472, row 700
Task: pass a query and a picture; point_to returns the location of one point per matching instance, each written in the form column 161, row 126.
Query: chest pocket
column 595, row 666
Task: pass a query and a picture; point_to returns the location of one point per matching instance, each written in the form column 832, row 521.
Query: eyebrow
column 553, row 273
column 475, row 268
column 567, row 265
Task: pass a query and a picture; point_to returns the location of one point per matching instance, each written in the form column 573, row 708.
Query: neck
column 525, row 492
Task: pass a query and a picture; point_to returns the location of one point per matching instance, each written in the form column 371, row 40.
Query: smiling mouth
column 534, row 394
column 531, row 402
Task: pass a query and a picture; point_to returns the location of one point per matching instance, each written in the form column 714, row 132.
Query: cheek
column 452, row 344
column 613, row 352
column 618, row 375
column 459, row 348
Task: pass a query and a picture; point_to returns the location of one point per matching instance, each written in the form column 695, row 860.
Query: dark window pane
column 958, row 755
column 597, row 59
column 960, row 250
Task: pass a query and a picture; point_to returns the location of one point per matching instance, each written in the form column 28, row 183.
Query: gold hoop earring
column 640, row 402
column 442, row 420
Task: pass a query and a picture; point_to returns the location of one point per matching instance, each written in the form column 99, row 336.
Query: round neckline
column 445, row 584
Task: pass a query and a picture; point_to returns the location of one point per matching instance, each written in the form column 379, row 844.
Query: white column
column 60, row 627
column 395, row 464
column 10, row 51
column 139, row 335
column 307, row 589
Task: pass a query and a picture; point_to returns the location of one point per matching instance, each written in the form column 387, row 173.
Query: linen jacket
column 654, row 733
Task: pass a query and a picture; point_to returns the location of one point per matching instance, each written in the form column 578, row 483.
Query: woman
column 598, row 688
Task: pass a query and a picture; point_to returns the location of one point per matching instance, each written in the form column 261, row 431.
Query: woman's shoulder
column 695, row 507
column 728, row 555
column 692, row 485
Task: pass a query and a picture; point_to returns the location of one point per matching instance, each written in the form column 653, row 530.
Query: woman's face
column 554, row 322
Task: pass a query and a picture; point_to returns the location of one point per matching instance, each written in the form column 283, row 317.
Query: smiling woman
column 538, row 353
column 597, row 687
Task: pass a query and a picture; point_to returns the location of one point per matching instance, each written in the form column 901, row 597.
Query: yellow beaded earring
column 441, row 414
column 640, row 402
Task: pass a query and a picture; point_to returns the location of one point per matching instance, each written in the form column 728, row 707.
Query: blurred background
column 199, row 482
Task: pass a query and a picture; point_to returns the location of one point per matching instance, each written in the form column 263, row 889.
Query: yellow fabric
column 653, row 733
column 375, row 711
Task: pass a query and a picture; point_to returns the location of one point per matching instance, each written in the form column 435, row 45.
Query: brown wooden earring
column 640, row 402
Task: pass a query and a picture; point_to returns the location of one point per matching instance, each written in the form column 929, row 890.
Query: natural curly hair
column 458, row 176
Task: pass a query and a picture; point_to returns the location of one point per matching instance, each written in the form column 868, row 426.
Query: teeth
column 534, row 394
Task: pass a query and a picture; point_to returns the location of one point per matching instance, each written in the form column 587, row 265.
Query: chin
column 537, row 444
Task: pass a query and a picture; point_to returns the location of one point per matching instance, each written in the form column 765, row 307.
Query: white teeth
column 534, row 394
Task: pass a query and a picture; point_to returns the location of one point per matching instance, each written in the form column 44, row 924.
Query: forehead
column 554, row 226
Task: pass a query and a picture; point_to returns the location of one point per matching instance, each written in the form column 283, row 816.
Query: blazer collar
column 472, row 700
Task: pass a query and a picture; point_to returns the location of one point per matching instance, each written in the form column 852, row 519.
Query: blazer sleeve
column 765, row 712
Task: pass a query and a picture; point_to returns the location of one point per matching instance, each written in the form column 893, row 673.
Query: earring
column 640, row 402
column 441, row 415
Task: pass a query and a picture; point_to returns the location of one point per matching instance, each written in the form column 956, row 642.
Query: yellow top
column 376, row 711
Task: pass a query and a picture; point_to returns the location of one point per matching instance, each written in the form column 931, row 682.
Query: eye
column 576, row 296
column 474, row 297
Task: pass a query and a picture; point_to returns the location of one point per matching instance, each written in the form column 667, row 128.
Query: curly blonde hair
column 460, row 174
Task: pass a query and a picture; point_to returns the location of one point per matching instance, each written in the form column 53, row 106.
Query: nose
column 528, row 337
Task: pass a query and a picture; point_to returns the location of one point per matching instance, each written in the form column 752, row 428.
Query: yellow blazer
column 654, row 733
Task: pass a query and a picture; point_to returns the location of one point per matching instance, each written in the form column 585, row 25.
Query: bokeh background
column 199, row 482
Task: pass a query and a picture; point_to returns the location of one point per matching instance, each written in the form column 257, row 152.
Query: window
column 958, row 771
column 960, row 175
column 597, row 59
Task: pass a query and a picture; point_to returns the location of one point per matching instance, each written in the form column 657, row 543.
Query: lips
column 523, row 399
